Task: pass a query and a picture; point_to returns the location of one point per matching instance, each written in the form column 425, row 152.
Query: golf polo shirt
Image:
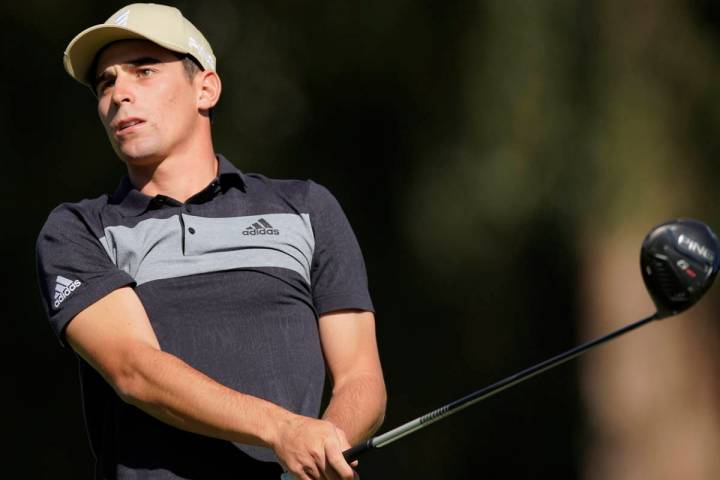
column 233, row 281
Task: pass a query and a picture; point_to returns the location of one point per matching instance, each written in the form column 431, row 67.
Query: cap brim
column 82, row 50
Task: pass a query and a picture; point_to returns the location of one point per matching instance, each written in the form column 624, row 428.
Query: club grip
column 354, row 452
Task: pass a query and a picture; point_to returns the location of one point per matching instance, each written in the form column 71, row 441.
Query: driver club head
column 679, row 261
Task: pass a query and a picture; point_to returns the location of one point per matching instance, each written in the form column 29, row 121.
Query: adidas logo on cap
column 261, row 227
column 63, row 288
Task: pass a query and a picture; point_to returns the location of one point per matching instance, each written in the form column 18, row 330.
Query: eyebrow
column 136, row 62
column 143, row 61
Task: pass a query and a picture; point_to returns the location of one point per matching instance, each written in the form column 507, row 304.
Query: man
column 203, row 303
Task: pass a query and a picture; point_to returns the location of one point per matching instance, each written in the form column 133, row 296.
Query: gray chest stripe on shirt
column 153, row 249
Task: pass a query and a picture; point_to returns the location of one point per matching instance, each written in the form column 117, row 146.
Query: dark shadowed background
column 500, row 161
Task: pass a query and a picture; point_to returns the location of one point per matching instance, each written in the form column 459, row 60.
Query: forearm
column 175, row 393
column 167, row 388
column 357, row 406
column 115, row 337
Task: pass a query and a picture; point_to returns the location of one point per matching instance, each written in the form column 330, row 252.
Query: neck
column 178, row 176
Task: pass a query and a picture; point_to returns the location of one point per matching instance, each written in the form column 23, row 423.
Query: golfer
column 204, row 304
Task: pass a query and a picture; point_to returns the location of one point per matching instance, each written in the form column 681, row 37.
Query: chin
column 141, row 161
column 138, row 156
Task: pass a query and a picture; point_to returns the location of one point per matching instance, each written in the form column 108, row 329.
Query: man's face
column 146, row 102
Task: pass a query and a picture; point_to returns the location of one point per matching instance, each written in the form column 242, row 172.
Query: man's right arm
column 114, row 335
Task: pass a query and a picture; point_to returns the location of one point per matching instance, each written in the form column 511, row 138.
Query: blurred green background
column 500, row 162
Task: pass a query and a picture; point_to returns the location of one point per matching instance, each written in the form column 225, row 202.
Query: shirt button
column 188, row 208
column 191, row 230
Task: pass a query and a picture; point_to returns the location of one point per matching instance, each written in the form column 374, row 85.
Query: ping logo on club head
column 687, row 243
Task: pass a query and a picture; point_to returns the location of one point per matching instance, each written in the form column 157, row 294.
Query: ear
column 209, row 89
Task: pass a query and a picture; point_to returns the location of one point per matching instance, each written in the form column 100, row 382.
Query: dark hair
column 192, row 67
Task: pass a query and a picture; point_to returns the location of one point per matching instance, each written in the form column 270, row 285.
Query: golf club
column 679, row 261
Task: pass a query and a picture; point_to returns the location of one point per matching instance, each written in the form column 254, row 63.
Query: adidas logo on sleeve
column 63, row 288
column 261, row 227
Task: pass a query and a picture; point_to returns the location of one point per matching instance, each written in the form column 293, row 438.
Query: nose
column 122, row 89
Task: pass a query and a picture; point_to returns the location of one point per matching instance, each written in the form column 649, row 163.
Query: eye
column 145, row 72
column 103, row 85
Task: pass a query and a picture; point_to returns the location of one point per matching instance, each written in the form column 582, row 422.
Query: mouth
column 127, row 125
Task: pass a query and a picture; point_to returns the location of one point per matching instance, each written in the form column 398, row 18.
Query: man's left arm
column 357, row 404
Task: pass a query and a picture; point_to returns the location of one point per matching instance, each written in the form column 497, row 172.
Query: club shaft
column 497, row 387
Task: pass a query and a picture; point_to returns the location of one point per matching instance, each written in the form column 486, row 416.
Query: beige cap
column 160, row 24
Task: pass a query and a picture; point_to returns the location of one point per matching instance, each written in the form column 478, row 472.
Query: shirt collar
column 227, row 172
column 131, row 202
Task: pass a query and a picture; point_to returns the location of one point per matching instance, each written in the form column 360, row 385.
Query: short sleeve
column 338, row 276
column 74, row 270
